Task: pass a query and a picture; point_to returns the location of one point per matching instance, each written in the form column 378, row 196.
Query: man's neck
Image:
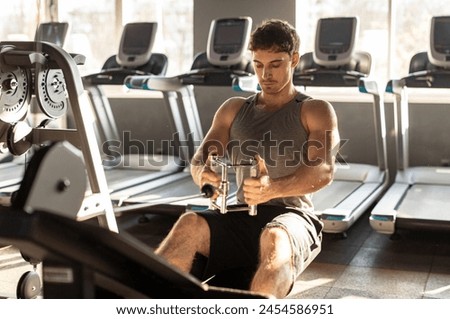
column 275, row 101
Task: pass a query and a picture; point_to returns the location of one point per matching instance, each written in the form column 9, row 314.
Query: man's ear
column 295, row 59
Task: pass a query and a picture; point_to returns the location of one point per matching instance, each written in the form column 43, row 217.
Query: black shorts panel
column 235, row 237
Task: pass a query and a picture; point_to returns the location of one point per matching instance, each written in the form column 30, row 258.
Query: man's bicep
column 323, row 139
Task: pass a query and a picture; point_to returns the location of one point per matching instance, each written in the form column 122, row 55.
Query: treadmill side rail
column 384, row 214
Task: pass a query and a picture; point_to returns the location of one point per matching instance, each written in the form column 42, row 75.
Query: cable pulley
column 51, row 92
column 15, row 95
column 17, row 138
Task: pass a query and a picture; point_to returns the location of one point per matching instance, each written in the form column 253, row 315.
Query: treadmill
column 135, row 57
column 356, row 185
column 418, row 199
column 223, row 62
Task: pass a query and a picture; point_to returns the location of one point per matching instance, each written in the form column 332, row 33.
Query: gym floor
column 371, row 265
column 364, row 265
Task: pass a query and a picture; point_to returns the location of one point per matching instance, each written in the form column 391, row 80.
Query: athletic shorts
column 235, row 237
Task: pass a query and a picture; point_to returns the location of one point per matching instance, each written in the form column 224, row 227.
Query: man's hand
column 257, row 189
column 207, row 176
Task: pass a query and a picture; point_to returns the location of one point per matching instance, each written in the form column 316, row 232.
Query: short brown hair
column 277, row 35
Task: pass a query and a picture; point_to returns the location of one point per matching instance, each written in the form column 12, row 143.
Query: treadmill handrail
column 400, row 92
column 154, row 82
column 169, row 85
column 328, row 77
column 371, row 87
column 114, row 76
column 436, row 78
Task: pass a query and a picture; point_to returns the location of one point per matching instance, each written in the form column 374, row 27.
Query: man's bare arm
column 215, row 142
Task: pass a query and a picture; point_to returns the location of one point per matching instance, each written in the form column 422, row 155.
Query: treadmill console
column 439, row 53
column 136, row 43
column 53, row 32
column 335, row 40
column 228, row 40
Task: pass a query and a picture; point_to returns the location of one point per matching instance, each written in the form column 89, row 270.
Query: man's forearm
column 196, row 168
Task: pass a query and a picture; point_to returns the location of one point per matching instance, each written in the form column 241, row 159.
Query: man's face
column 273, row 69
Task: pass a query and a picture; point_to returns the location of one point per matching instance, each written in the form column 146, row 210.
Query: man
column 294, row 140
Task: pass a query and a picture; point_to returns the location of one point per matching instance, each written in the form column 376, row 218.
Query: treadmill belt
column 122, row 178
column 333, row 194
column 11, row 174
column 168, row 192
column 427, row 202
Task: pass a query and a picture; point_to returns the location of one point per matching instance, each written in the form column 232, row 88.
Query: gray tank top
column 277, row 136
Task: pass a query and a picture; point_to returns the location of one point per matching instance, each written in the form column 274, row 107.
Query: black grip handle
column 208, row 190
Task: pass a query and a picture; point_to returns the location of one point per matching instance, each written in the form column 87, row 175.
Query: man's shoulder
column 239, row 99
column 231, row 107
column 314, row 104
column 235, row 103
column 318, row 108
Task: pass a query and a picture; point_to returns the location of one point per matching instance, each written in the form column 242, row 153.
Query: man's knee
column 275, row 274
column 191, row 220
column 275, row 237
column 194, row 228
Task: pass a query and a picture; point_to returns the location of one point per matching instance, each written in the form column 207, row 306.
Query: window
column 373, row 31
column 93, row 29
column 412, row 30
column 174, row 36
column 18, row 20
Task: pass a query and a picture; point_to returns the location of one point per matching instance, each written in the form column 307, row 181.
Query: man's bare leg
column 275, row 273
column 189, row 235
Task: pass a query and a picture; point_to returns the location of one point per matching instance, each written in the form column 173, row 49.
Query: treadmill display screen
column 54, row 32
column 228, row 37
column 441, row 35
column 137, row 39
column 336, row 35
column 228, row 40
